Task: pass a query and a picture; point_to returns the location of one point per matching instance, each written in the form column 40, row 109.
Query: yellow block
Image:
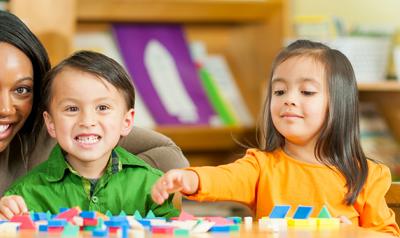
column 310, row 222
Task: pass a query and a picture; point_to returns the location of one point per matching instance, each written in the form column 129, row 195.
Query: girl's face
column 299, row 100
column 16, row 92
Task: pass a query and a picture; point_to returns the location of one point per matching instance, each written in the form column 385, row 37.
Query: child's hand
column 184, row 181
column 12, row 205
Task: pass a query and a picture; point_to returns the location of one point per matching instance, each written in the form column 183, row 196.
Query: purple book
column 158, row 59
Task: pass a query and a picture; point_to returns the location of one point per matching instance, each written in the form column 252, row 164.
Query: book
column 221, row 86
column 157, row 57
column 103, row 42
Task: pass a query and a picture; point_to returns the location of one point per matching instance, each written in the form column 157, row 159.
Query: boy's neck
column 89, row 169
column 303, row 153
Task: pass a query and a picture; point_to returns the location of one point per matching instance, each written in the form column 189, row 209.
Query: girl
column 310, row 155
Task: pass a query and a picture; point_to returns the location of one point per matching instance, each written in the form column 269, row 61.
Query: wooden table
column 347, row 231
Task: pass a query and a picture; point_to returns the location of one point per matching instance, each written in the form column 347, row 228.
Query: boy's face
column 299, row 100
column 87, row 115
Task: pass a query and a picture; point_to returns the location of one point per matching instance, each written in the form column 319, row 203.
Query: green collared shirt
column 125, row 186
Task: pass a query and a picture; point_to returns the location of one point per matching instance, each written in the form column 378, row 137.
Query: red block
column 56, row 229
column 69, row 214
column 26, row 222
column 162, row 230
column 113, row 229
column 89, row 221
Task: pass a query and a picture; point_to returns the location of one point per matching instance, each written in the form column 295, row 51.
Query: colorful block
column 302, row 212
column 279, row 211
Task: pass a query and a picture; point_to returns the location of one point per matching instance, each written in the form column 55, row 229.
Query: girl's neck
column 303, row 153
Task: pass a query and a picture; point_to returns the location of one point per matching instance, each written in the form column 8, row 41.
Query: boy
column 88, row 102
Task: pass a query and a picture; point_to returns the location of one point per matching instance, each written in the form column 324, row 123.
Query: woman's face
column 16, row 92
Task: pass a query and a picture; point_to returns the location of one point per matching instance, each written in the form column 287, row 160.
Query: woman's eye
column 23, row 90
column 279, row 92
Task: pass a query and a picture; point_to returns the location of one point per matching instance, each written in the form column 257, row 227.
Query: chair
column 393, row 199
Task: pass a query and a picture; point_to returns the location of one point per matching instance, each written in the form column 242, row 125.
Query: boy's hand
column 12, row 205
column 344, row 220
column 184, row 181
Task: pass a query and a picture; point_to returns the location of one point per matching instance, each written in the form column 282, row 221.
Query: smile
column 3, row 128
column 88, row 140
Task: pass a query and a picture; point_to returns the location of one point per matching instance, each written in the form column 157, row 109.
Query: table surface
column 349, row 231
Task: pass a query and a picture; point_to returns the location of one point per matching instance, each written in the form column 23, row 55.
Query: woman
column 23, row 141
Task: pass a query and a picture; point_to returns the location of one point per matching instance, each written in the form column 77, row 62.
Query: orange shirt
column 262, row 180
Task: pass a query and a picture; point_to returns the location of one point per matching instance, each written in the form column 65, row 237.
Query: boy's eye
column 279, row 92
column 103, row 107
column 23, row 90
column 72, row 109
column 308, row 93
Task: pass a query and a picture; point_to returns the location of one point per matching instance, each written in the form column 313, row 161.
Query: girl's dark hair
column 338, row 144
column 14, row 32
column 96, row 64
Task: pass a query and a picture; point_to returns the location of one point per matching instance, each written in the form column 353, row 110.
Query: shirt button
column 95, row 199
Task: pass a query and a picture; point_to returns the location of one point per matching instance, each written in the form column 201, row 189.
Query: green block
column 137, row 215
column 324, row 213
column 122, row 214
column 181, row 232
column 150, row 215
column 70, row 230
column 234, row 228
column 109, row 214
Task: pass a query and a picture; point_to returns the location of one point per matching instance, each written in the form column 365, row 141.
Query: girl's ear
column 128, row 122
column 48, row 120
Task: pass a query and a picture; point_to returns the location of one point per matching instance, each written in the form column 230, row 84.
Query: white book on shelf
column 224, row 80
column 103, row 42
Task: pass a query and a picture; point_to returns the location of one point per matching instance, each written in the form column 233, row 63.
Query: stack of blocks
column 69, row 223
column 277, row 219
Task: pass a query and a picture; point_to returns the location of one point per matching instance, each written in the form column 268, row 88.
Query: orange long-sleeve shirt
column 262, row 180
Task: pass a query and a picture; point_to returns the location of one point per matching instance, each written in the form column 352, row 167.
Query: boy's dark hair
column 96, row 64
column 14, row 32
column 338, row 144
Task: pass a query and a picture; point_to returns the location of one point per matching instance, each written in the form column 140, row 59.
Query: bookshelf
column 249, row 33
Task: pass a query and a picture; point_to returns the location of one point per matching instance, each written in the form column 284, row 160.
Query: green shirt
column 125, row 186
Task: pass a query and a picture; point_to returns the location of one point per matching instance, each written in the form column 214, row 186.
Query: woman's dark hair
column 338, row 144
column 96, row 64
column 14, row 32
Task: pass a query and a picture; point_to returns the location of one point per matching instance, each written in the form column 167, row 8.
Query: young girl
column 310, row 155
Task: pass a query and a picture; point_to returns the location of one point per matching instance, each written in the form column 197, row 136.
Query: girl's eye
column 308, row 93
column 72, row 109
column 279, row 92
column 23, row 90
column 102, row 107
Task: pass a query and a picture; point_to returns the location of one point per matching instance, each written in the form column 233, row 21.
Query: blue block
column 279, row 211
column 100, row 233
column 87, row 214
column 114, row 223
column 40, row 216
column 145, row 222
column 302, row 212
column 43, row 228
column 220, row 228
column 57, row 222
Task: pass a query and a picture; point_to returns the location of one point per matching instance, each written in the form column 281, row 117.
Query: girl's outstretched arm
column 176, row 180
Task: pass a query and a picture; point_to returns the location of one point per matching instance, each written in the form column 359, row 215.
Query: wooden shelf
column 200, row 138
column 176, row 10
column 384, row 86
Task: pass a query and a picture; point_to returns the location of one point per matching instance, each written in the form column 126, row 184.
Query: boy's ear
column 128, row 122
column 48, row 120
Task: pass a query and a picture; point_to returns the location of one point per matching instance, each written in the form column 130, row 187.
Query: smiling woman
column 24, row 142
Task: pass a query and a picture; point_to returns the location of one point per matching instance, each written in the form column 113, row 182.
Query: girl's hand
column 12, row 205
column 184, row 181
column 344, row 220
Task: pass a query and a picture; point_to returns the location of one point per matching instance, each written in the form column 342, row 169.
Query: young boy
column 88, row 102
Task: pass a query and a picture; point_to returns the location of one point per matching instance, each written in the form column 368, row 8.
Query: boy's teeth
column 3, row 128
column 88, row 139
